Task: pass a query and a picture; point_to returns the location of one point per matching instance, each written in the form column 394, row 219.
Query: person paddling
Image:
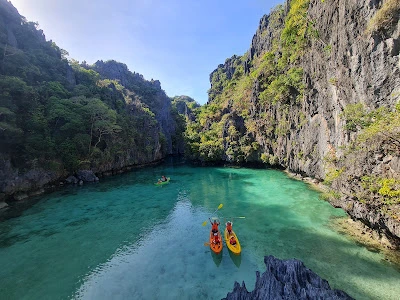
column 229, row 227
column 163, row 179
column 232, row 240
column 214, row 227
column 216, row 239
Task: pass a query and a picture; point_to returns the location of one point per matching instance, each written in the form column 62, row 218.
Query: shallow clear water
column 125, row 238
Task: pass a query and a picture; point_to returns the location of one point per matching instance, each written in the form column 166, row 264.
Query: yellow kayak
column 236, row 249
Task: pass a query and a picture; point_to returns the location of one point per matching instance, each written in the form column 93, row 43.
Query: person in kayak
column 163, row 179
column 214, row 225
column 229, row 227
column 232, row 240
column 216, row 239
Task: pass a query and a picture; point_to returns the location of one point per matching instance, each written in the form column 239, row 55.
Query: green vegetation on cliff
column 286, row 103
column 226, row 128
column 63, row 115
column 385, row 18
column 378, row 133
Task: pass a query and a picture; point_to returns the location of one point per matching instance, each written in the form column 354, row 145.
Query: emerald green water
column 125, row 238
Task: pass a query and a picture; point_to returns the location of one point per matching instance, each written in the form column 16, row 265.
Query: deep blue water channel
column 125, row 238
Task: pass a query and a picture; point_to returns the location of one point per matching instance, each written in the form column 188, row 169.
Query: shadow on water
column 235, row 176
column 141, row 176
column 332, row 256
column 217, row 258
column 236, row 259
column 16, row 209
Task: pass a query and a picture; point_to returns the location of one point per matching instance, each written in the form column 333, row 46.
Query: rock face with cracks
column 350, row 56
column 286, row 279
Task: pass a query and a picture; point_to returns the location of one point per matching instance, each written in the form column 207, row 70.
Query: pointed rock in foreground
column 286, row 279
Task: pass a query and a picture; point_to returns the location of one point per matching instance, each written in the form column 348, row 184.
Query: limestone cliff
column 183, row 110
column 149, row 92
column 290, row 101
column 59, row 116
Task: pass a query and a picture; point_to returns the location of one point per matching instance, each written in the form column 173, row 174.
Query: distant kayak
column 236, row 249
column 217, row 248
column 163, row 182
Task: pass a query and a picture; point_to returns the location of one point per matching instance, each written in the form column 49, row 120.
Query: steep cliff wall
column 360, row 67
column 310, row 95
column 59, row 116
column 148, row 92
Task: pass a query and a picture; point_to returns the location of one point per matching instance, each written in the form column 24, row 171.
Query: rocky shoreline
column 38, row 181
column 385, row 236
column 368, row 237
column 286, row 279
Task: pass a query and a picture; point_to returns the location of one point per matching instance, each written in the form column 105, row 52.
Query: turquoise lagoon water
column 125, row 238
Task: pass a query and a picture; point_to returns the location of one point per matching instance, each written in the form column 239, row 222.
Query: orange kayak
column 217, row 248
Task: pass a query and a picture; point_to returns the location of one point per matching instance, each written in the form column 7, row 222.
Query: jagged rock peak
column 185, row 105
column 117, row 70
column 112, row 64
column 183, row 98
column 228, row 67
column 269, row 29
column 286, row 279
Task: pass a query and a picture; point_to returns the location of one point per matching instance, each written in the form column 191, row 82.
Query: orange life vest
column 229, row 227
column 215, row 226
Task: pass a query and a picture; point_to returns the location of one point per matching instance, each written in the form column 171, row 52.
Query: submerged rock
column 72, row 180
column 286, row 279
column 87, row 176
column 3, row 205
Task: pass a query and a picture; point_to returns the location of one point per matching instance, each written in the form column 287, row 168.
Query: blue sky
column 175, row 41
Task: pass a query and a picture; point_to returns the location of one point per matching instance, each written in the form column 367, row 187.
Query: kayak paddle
column 219, row 207
column 231, row 218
